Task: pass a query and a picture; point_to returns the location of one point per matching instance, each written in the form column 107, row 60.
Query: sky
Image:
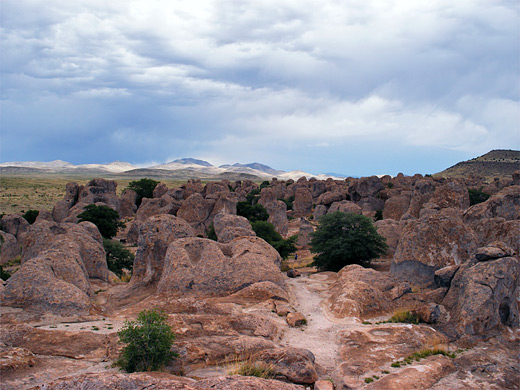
column 356, row 87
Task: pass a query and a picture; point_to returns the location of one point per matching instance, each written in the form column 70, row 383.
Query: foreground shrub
column 31, row 215
column 105, row 218
column 148, row 342
column 345, row 238
column 266, row 231
column 118, row 257
column 144, row 189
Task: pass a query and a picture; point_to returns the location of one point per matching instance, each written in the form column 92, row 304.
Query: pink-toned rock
column 13, row 358
column 429, row 244
column 345, row 206
column 44, row 215
column 396, row 206
column 204, row 267
column 9, row 247
column 494, row 250
column 61, row 209
column 228, row 227
column 323, row 385
column 516, row 178
column 245, row 383
column 295, row 365
column 505, row 204
column 296, row 319
column 498, row 229
column 159, row 190
column 157, row 206
column 100, row 191
column 155, row 235
column 328, row 198
column 16, row 225
column 302, row 204
column 391, row 231
column 319, row 211
column 365, row 187
column 482, row 296
column 305, row 233
column 276, row 209
column 422, row 192
column 196, row 210
column 452, row 194
column 128, row 203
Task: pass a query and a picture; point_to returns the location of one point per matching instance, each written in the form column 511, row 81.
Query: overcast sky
column 358, row 87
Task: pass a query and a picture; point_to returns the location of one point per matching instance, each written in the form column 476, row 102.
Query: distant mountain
column 496, row 163
column 180, row 169
column 256, row 166
column 192, row 161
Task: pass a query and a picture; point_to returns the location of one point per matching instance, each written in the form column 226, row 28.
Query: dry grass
column 248, row 367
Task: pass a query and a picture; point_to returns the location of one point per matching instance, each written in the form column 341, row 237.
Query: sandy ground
column 320, row 335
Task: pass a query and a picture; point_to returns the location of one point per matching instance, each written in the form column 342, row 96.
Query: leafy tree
column 106, row 219
column 31, row 215
column 253, row 213
column 148, row 342
column 144, row 189
column 346, row 238
column 477, row 196
column 264, row 184
column 118, row 257
column 265, row 230
column 253, row 196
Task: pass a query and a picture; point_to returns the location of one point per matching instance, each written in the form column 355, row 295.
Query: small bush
column 144, row 189
column 118, row 257
column 105, row 218
column 477, row 196
column 253, row 213
column 148, row 342
column 265, row 230
column 369, row 380
column 404, row 316
column 4, row 275
column 396, row 364
column 31, row 215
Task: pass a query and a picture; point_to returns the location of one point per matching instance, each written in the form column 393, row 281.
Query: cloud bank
column 356, row 87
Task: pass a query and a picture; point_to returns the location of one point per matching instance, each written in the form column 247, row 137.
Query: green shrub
column 369, row 380
column 396, row 364
column 148, row 342
column 144, row 189
column 264, row 184
column 106, row 219
column 118, row 257
column 210, row 233
column 477, row 196
column 253, row 196
column 289, row 202
column 31, row 215
column 4, row 275
column 345, row 238
column 265, row 230
column 253, row 213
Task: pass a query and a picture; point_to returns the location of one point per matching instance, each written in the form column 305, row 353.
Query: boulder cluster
column 453, row 264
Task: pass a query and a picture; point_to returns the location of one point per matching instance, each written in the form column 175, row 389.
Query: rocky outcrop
column 396, row 206
column 83, row 239
column 61, row 209
column 128, row 203
column 345, row 206
column 452, row 194
column 302, row 204
column 430, row 243
column 276, row 209
column 228, row 227
column 295, row 365
column 201, row 266
column 155, row 235
column 305, row 233
column 9, row 247
column 100, row 190
column 391, row 230
column 196, row 210
column 365, row 187
column 483, row 296
column 422, row 192
column 16, row 225
column 505, row 204
column 328, row 198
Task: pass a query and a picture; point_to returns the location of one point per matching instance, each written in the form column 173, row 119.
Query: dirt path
column 320, row 335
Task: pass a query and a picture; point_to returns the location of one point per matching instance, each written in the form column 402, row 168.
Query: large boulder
column 55, row 281
column 505, row 204
column 155, row 235
column 483, row 296
column 157, row 206
column 276, row 209
column 498, row 229
column 431, row 243
column 396, row 206
column 128, row 203
column 196, row 210
column 16, row 225
column 365, row 187
column 305, row 233
column 9, row 247
column 61, row 208
column 302, row 204
column 100, row 190
column 391, row 230
column 204, row 267
column 328, row 198
column 83, row 239
column 422, row 192
column 345, row 206
column 228, row 227
column 452, row 194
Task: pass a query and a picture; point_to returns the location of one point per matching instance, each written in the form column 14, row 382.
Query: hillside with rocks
column 496, row 163
column 453, row 264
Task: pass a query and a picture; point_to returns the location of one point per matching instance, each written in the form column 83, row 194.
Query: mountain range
column 183, row 168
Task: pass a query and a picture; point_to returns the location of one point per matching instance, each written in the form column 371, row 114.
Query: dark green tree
column 265, row 230
column 345, row 238
column 118, row 257
column 105, row 218
column 144, row 189
column 253, row 213
column 148, row 342
column 477, row 196
column 31, row 215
